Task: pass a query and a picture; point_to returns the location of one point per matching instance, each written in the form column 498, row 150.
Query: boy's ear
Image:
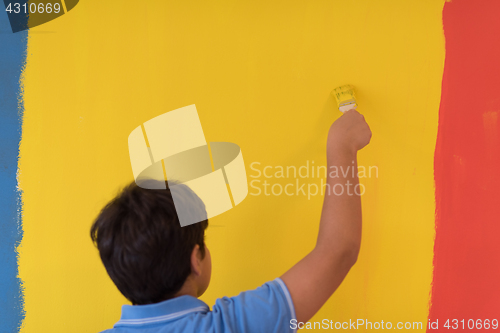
column 196, row 260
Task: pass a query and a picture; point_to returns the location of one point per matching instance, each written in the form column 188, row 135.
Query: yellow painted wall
column 260, row 73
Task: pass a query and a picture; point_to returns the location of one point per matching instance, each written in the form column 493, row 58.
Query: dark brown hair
column 142, row 245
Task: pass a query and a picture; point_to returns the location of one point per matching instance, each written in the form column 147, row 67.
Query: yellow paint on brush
column 345, row 97
column 260, row 73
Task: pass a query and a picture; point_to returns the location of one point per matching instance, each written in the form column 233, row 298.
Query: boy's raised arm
column 314, row 279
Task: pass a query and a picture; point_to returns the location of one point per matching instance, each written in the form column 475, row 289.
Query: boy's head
column 146, row 252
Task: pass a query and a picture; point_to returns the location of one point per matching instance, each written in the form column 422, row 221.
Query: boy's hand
column 349, row 133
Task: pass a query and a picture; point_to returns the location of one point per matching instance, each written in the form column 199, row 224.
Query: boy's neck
column 188, row 288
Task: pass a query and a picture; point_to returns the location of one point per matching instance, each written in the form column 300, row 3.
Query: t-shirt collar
column 135, row 315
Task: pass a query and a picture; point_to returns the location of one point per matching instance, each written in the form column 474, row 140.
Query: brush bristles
column 344, row 94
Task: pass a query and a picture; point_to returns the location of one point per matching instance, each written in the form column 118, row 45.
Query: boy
column 162, row 268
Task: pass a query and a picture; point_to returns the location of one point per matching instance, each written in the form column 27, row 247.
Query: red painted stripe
column 466, row 283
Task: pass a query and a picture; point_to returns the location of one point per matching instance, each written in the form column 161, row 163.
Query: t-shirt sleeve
column 268, row 308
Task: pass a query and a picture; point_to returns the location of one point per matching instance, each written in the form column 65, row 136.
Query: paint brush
column 345, row 97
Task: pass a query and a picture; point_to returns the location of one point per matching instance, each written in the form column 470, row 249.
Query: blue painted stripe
column 12, row 60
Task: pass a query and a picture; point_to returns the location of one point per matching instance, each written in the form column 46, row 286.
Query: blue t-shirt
column 267, row 309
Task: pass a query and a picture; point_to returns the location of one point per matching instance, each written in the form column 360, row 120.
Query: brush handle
column 348, row 107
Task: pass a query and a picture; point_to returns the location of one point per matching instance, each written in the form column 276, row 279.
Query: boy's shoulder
column 268, row 308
